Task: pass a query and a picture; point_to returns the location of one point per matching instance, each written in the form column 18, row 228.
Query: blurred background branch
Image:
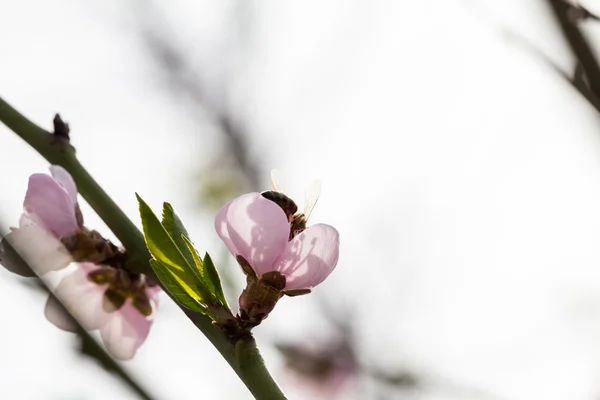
column 585, row 74
column 569, row 16
column 232, row 168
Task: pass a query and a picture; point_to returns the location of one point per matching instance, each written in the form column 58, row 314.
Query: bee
column 296, row 219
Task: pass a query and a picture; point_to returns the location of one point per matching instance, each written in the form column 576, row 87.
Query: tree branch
column 183, row 80
column 577, row 78
column 578, row 43
column 59, row 152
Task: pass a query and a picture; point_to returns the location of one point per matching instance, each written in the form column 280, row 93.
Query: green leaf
column 196, row 259
column 175, row 227
column 164, row 249
column 208, row 273
column 176, row 287
column 213, row 276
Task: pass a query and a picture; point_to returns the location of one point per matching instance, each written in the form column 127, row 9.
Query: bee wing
column 313, row 191
column 276, row 179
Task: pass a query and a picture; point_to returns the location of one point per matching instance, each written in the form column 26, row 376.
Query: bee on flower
column 279, row 253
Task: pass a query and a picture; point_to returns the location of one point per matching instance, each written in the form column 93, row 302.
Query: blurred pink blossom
column 323, row 369
column 258, row 230
column 120, row 304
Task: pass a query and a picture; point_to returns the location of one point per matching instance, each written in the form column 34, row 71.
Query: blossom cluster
column 278, row 252
column 98, row 292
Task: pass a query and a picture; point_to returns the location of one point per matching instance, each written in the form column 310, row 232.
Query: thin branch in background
column 577, row 79
column 88, row 346
column 566, row 14
column 185, row 83
column 577, row 12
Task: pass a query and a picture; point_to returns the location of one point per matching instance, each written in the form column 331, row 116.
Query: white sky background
column 464, row 178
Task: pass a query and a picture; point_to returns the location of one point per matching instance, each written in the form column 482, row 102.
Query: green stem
column 60, row 153
column 252, row 368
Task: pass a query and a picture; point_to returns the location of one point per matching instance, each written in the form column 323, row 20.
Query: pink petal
column 221, row 228
column 83, row 298
column 310, row 257
column 51, row 204
column 125, row 332
column 258, row 229
column 39, row 248
column 66, row 181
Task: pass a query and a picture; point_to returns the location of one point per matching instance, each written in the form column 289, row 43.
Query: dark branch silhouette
column 576, row 79
column 568, row 17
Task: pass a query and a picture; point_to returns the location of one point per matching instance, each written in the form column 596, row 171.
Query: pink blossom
column 50, row 212
column 124, row 326
column 51, row 201
column 38, row 247
column 258, row 230
column 327, row 381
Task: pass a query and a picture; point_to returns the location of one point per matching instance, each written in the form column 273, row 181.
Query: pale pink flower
column 50, row 212
column 51, row 201
column 258, row 230
column 123, row 325
column 38, row 247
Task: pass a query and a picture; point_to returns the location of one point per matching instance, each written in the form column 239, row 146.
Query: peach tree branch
column 243, row 356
